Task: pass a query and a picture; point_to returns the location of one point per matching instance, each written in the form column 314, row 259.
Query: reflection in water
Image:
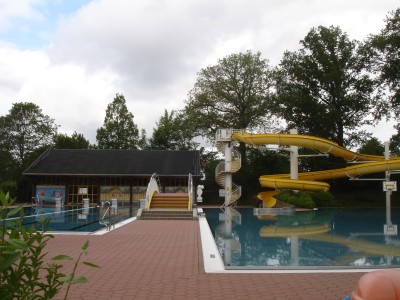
column 329, row 237
column 227, row 242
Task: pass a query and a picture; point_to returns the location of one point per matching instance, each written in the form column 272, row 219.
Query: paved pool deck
column 164, row 260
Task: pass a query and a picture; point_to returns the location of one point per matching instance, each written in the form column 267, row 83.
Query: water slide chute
column 312, row 181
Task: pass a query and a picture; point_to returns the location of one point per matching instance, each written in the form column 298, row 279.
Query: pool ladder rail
column 106, row 217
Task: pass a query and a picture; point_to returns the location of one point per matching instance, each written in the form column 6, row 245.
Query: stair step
column 166, row 215
column 170, row 200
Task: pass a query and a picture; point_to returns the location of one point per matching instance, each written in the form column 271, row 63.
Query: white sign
column 222, row 193
column 83, row 191
column 390, row 186
column 390, row 229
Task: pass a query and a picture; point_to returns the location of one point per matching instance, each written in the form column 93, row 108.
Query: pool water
column 325, row 238
column 69, row 218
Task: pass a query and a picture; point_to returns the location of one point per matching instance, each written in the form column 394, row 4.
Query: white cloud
column 152, row 50
column 18, row 9
column 76, row 99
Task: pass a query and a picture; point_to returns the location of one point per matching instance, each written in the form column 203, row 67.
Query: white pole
column 294, row 250
column 228, row 174
column 388, row 193
column 294, row 159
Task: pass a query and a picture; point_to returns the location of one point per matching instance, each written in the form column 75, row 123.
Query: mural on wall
column 115, row 192
column 50, row 193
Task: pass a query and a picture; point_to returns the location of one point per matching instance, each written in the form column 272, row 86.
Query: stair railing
column 190, row 191
column 221, row 177
column 153, row 186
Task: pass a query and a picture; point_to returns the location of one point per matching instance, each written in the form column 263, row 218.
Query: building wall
column 73, row 189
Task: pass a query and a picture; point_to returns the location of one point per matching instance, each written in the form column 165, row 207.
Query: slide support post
column 388, row 193
column 294, row 159
column 228, row 174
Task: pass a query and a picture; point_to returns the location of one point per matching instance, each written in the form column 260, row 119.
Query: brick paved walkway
column 163, row 260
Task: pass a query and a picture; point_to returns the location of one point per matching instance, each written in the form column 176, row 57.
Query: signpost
column 389, row 186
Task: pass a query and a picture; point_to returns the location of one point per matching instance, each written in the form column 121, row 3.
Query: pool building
column 72, row 175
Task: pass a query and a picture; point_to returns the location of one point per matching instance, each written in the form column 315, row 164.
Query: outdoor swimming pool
column 326, row 238
column 73, row 218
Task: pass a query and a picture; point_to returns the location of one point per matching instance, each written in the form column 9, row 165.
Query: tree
column 118, row 131
column 143, row 143
column 395, row 141
column 235, row 93
column 372, row 147
column 76, row 141
column 381, row 52
column 24, row 130
column 7, row 166
column 238, row 93
column 171, row 133
column 322, row 88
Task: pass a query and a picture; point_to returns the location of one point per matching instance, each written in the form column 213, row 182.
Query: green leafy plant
column 72, row 278
column 23, row 272
column 323, row 199
column 298, row 199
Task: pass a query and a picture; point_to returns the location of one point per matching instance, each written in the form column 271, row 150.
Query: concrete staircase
column 170, row 201
column 159, row 214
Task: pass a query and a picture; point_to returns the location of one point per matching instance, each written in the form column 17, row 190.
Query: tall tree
column 75, row 141
column 372, row 147
column 143, row 143
column 118, row 131
column 238, row 93
column 234, row 93
column 323, row 89
column 24, row 130
column 381, row 51
column 171, row 133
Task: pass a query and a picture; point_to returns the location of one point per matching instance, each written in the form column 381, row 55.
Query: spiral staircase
column 221, row 171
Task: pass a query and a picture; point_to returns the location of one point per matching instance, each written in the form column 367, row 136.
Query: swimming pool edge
column 213, row 262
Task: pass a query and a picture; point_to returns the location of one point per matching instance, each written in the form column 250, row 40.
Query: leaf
column 67, row 278
column 18, row 244
column 89, row 264
column 62, row 257
column 7, row 259
column 14, row 211
column 80, row 280
column 85, row 245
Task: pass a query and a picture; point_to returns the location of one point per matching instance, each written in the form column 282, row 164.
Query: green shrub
column 298, row 199
column 323, row 199
column 10, row 187
column 23, row 274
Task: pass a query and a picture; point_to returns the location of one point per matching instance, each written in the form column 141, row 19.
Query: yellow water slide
column 311, row 181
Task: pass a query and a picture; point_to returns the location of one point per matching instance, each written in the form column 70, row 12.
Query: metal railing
column 220, row 177
column 105, row 218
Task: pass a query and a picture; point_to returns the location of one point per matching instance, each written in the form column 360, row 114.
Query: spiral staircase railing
column 221, row 172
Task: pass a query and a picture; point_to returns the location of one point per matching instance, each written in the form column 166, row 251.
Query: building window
column 81, row 188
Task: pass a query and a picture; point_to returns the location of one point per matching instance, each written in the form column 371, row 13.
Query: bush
column 10, row 187
column 324, row 199
column 23, row 274
column 298, row 199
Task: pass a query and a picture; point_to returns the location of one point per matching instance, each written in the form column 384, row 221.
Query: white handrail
column 220, row 171
column 190, row 191
column 151, row 188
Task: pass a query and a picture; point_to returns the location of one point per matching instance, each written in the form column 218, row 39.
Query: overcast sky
column 71, row 57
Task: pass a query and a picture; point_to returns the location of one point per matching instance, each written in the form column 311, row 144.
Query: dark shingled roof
column 116, row 162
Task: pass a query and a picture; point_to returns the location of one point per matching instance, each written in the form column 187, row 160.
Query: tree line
column 330, row 87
